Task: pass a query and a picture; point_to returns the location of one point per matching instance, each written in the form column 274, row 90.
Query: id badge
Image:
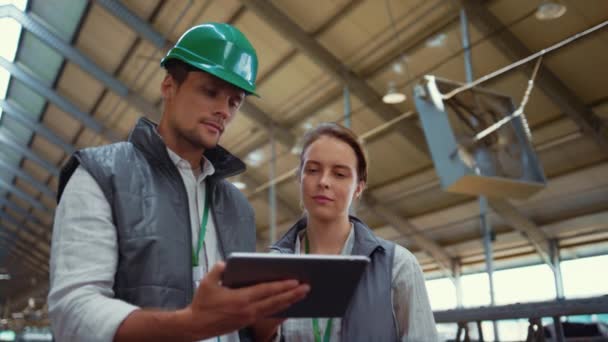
column 197, row 274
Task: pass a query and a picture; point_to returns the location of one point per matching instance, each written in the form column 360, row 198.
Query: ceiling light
column 255, row 158
column 392, row 96
column 296, row 149
column 550, row 9
column 239, row 185
column 306, row 125
column 397, row 68
column 5, row 276
column 436, row 41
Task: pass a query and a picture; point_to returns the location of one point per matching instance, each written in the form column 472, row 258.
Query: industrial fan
column 479, row 142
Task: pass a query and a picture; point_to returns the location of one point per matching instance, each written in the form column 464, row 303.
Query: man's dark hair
column 179, row 70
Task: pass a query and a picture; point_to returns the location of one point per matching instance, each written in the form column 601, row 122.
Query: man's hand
column 216, row 310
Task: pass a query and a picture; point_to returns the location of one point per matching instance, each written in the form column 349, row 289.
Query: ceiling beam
column 11, row 205
column 26, row 260
column 38, row 259
column 65, row 49
column 25, row 196
column 11, row 169
column 524, row 225
column 41, row 87
column 405, row 227
column 341, row 13
column 19, row 259
column 280, row 200
column 17, row 114
column 441, row 24
column 45, row 234
column 143, row 29
column 514, row 49
column 282, row 134
column 49, row 167
column 9, row 141
column 25, row 249
column 309, row 46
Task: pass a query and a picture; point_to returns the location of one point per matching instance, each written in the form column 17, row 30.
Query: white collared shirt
column 84, row 256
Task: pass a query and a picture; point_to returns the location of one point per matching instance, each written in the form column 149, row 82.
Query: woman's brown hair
column 337, row 131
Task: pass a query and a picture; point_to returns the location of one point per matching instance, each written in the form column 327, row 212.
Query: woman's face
column 328, row 179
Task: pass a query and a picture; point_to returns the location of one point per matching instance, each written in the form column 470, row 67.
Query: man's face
column 200, row 108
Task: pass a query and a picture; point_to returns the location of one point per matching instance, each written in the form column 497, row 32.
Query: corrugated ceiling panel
column 107, row 38
column 42, row 60
column 308, row 17
column 61, row 15
column 16, row 129
column 30, row 101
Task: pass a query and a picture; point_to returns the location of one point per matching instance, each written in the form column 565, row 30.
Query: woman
column 390, row 302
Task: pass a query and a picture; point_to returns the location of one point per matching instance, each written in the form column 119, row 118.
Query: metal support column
column 348, row 124
column 487, row 246
column 347, row 110
column 457, row 272
column 556, row 267
column 559, row 286
column 272, row 196
column 466, row 46
column 483, row 202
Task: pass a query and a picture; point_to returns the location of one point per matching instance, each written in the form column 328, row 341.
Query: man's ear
column 359, row 189
column 168, row 87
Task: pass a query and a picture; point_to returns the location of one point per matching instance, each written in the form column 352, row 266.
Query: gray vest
column 369, row 316
column 150, row 211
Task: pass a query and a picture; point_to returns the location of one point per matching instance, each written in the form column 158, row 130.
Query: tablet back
column 332, row 278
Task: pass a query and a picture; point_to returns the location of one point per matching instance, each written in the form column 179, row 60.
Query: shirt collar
column 183, row 164
column 347, row 248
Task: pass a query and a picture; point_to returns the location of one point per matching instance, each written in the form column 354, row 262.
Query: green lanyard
column 201, row 234
column 203, row 231
column 315, row 321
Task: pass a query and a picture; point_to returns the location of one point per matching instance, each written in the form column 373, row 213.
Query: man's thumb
column 215, row 275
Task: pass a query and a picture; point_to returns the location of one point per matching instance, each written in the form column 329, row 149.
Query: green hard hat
column 221, row 50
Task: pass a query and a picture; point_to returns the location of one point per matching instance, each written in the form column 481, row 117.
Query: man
column 140, row 222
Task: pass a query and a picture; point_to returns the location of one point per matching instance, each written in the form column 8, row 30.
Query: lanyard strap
column 317, row 333
column 203, row 231
column 315, row 321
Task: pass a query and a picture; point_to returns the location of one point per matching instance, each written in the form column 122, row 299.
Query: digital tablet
column 332, row 278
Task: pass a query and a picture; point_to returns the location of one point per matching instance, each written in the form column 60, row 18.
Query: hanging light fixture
column 393, row 96
column 550, row 9
column 436, row 41
column 398, row 68
column 296, row 148
column 239, row 185
column 255, row 158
